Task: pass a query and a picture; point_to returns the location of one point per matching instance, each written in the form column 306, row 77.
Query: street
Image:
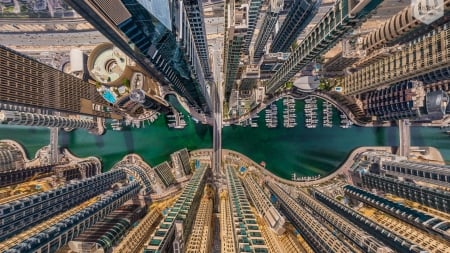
column 53, row 39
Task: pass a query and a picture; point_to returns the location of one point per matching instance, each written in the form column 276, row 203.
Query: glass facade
column 152, row 33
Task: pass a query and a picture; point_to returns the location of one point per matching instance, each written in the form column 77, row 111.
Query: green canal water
column 285, row 150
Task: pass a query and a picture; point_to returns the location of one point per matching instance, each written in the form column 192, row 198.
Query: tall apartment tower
column 158, row 36
column 194, row 10
column 247, row 233
column 299, row 16
column 65, row 214
column 180, row 163
column 236, row 25
column 268, row 24
column 254, row 7
column 36, row 119
column 405, row 100
column 27, row 82
column 10, row 157
column 164, row 172
column 263, row 205
column 172, row 233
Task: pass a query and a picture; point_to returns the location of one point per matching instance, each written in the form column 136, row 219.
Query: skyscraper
column 381, row 199
column 345, row 15
column 268, row 24
column 35, row 119
column 159, row 36
column 27, row 82
column 300, row 13
column 236, row 21
column 407, row 62
column 172, row 233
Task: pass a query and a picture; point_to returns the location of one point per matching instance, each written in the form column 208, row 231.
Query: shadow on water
column 129, row 141
column 392, row 136
column 67, row 139
column 386, row 136
column 99, row 141
column 202, row 131
column 380, row 135
column 64, row 139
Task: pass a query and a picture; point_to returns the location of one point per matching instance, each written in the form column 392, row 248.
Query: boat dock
column 304, row 178
column 176, row 120
column 272, row 116
column 289, row 115
column 327, row 114
column 345, row 122
column 311, row 112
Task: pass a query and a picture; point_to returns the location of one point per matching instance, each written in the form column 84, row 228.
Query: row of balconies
column 414, row 217
column 431, row 197
column 67, row 229
column 426, row 54
column 314, row 232
column 88, row 184
column 373, row 228
column 351, row 232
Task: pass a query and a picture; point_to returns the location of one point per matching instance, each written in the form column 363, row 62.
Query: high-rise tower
column 268, row 24
column 301, row 12
column 254, row 7
column 35, row 119
column 236, row 22
column 194, row 10
column 27, row 82
column 159, row 36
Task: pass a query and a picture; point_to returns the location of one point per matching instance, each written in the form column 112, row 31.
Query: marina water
column 306, row 152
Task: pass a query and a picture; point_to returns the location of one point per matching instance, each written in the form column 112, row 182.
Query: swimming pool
column 109, row 96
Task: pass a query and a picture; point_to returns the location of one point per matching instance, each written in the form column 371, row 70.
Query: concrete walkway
column 342, row 170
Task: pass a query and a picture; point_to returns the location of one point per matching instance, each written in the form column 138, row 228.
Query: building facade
column 247, row 235
column 236, row 25
column 159, row 37
column 299, row 16
column 268, row 24
column 35, row 119
column 172, row 233
column 27, row 82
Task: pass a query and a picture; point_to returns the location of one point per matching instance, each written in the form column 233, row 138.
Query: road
column 53, row 39
column 54, row 148
column 404, row 137
column 217, row 128
column 18, row 21
column 215, row 51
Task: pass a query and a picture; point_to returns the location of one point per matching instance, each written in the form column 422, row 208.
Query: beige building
column 265, row 209
column 428, row 54
column 226, row 225
column 200, row 239
column 108, row 65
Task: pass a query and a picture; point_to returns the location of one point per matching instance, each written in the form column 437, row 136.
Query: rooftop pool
column 109, row 96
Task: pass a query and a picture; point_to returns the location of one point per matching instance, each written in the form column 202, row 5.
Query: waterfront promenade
column 242, row 160
column 342, row 170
